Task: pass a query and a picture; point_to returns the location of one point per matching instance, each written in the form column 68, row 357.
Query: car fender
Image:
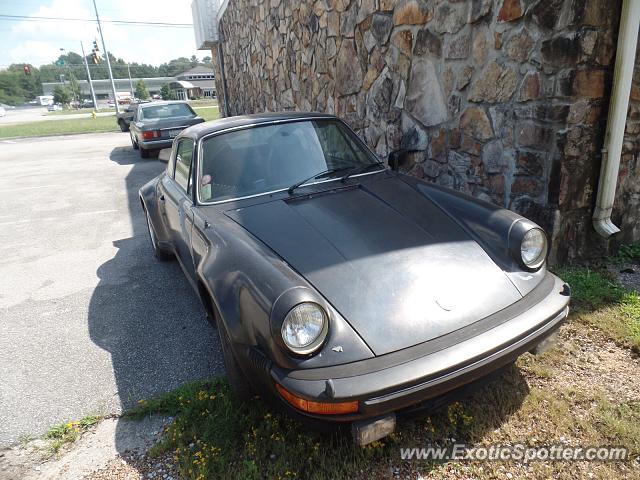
column 244, row 279
column 489, row 225
column 149, row 199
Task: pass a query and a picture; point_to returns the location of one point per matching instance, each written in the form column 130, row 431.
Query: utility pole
column 106, row 54
column 86, row 65
column 133, row 95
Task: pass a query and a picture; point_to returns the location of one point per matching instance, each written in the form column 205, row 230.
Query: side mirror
column 164, row 155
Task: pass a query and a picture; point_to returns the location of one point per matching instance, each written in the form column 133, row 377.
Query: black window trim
column 191, row 169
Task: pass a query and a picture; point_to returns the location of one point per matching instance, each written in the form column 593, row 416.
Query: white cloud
column 38, row 42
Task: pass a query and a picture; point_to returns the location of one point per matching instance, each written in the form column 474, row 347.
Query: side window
column 184, row 155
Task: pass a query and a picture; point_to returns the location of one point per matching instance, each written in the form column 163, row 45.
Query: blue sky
column 40, row 42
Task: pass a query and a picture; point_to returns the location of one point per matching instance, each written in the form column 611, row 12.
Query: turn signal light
column 151, row 134
column 320, row 408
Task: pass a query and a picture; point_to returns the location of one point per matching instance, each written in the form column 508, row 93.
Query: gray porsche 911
column 342, row 290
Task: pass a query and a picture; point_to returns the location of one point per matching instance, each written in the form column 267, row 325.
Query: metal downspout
column 614, row 136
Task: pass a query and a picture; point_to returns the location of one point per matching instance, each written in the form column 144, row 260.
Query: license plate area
column 173, row 132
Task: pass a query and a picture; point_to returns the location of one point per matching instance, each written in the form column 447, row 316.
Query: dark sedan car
column 342, row 290
column 156, row 124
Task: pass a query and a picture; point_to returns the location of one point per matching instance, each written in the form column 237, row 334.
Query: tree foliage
column 165, row 92
column 61, row 95
column 16, row 87
column 141, row 90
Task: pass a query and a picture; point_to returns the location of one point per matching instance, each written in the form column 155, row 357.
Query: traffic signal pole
column 86, row 65
column 106, row 54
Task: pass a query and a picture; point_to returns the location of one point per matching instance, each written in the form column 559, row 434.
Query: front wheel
column 237, row 381
column 157, row 251
column 123, row 126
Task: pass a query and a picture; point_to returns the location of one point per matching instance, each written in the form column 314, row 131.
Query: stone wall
column 503, row 99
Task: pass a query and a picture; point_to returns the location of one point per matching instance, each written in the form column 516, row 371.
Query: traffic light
column 95, row 52
column 27, row 69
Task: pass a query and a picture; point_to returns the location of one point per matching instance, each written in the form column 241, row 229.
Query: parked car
column 126, row 115
column 155, row 125
column 342, row 290
column 52, row 107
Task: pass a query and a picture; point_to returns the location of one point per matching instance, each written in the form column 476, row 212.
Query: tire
column 134, row 144
column 237, row 381
column 157, row 251
column 144, row 153
column 123, row 126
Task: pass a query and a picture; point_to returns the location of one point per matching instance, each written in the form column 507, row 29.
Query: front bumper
column 405, row 378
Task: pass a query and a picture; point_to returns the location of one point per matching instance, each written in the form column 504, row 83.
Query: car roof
column 163, row 102
column 202, row 129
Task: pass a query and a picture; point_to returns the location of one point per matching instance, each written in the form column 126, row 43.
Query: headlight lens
column 305, row 328
column 534, row 248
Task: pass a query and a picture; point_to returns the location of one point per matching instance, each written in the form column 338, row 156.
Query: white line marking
column 96, row 212
column 49, row 219
column 29, row 188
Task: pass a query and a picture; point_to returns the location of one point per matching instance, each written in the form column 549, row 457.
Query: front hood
column 398, row 269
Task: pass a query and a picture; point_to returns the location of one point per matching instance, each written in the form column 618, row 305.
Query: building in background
column 197, row 82
column 506, row 100
column 103, row 87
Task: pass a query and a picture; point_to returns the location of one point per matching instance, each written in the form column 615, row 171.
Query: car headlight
column 305, row 328
column 533, row 248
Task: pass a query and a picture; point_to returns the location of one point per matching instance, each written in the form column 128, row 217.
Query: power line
column 117, row 22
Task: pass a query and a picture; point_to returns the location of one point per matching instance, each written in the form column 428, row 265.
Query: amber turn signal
column 320, row 408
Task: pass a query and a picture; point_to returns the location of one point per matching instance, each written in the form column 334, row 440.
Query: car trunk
column 398, row 269
column 170, row 127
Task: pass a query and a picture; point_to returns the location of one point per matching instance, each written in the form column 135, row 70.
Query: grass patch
column 600, row 301
column 60, row 127
column 69, row 432
column 620, row 424
column 79, row 125
column 213, row 437
column 591, row 288
column 208, row 113
column 628, row 253
column 86, row 111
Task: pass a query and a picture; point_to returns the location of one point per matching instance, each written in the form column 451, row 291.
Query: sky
column 39, row 42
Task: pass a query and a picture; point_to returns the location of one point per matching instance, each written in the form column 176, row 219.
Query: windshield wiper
column 313, row 177
column 357, row 171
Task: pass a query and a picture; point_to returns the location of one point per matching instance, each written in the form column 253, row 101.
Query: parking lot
column 90, row 321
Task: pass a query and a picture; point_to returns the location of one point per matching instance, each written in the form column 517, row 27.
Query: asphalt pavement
column 90, row 321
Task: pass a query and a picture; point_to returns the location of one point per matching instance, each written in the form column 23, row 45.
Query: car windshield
column 167, row 110
column 274, row 157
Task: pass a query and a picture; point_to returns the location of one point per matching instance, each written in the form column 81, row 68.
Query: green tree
column 61, row 95
column 165, row 92
column 141, row 90
column 74, row 86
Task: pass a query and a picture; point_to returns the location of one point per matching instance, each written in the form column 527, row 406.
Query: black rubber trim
column 539, row 293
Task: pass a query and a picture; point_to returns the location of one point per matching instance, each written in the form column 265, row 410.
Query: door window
column 184, row 155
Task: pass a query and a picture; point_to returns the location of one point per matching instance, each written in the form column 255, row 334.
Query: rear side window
column 184, row 155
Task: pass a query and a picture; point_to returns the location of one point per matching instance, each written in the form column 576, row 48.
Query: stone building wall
column 504, row 99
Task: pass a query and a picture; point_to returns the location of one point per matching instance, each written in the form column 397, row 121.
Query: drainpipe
column 614, row 136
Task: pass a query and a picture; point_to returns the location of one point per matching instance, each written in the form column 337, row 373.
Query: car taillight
column 151, row 134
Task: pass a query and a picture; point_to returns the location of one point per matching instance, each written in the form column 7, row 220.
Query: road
column 90, row 321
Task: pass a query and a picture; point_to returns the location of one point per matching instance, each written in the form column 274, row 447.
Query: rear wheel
column 144, row 153
column 123, row 126
column 237, row 381
column 134, row 144
column 157, row 251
